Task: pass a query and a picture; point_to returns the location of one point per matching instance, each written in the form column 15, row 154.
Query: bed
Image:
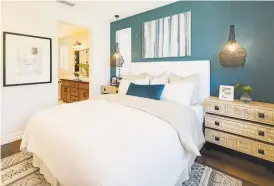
column 117, row 140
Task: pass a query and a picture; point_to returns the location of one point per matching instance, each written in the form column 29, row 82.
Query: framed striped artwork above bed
column 167, row 37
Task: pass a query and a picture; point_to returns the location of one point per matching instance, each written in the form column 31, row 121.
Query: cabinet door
column 83, row 94
column 65, row 94
column 74, row 99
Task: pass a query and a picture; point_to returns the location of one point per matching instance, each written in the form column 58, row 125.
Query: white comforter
column 100, row 142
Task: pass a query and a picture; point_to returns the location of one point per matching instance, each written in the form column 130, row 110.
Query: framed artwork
column 226, row 93
column 27, row 59
column 167, row 37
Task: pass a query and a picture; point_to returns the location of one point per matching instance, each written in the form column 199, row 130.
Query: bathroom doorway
column 73, row 62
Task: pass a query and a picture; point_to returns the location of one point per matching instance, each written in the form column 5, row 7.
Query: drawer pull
column 260, row 151
column 261, row 115
column 261, row 133
column 216, row 107
column 217, row 123
column 217, row 138
column 116, row 91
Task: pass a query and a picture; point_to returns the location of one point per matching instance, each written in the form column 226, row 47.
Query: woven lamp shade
column 232, row 55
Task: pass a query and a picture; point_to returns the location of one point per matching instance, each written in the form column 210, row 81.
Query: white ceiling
column 103, row 10
column 107, row 9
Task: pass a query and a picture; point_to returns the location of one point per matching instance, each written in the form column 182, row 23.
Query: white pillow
column 135, row 77
column 159, row 79
column 124, row 84
column 173, row 78
column 180, row 92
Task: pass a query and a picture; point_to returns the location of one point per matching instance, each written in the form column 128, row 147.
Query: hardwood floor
column 10, row 149
column 251, row 171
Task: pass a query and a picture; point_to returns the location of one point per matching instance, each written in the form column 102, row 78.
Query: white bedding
column 199, row 110
column 98, row 142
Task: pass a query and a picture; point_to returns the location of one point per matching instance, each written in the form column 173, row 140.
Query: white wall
column 100, row 57
column 19, row 103
column 41, row 18
column 1, row 71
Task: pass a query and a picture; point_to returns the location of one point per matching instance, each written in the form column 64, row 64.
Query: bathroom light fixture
column 232, row 55
column 78, row 46
column 117, row 59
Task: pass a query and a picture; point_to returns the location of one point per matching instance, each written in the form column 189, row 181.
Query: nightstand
column 247, row 128
column 107, row 89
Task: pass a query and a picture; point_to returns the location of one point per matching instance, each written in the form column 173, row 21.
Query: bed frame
column 182, row 68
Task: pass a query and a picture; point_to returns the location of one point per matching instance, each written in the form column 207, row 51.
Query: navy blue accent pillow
column 146, row 91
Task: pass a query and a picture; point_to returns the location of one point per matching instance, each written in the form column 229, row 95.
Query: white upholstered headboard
column 182, row 68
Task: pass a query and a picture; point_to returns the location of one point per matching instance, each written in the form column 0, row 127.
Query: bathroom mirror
column 80, row 57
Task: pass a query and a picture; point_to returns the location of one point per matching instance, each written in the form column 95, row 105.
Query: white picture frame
column 113, row 81
column 226, row 93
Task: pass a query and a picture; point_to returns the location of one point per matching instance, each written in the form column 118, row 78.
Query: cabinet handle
column 216, row 107
column 261, row 115
column 85, row 94
column 217, row 138
column 261, row 133
column 116, row 91
column 217, row 123
column 104, row 89
column 260, row 151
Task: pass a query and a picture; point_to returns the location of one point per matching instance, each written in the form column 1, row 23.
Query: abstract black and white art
column 167, row 37
column 27, row 59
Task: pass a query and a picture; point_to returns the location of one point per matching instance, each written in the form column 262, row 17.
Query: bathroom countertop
column 74, row 79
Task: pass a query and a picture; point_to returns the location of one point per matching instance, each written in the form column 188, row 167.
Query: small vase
column 246, row 98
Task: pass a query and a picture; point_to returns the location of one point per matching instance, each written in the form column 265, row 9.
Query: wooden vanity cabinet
column 73, row 90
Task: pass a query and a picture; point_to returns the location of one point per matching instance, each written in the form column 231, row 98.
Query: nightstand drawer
column 254, row 111
column 243, row 128
column 259, row 115
column 251, row 147
column 109, row 90
column 216, row 107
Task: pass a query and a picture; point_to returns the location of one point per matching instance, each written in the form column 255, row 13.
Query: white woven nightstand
column 247, row 128
column 107, row 89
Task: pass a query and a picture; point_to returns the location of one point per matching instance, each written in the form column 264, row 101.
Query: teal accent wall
column 254, row 29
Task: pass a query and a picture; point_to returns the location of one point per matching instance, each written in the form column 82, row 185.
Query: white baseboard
column 11, row 138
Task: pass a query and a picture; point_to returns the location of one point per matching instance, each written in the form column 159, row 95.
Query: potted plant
column 76, row 74
column 85, row 66
column 247, row 90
